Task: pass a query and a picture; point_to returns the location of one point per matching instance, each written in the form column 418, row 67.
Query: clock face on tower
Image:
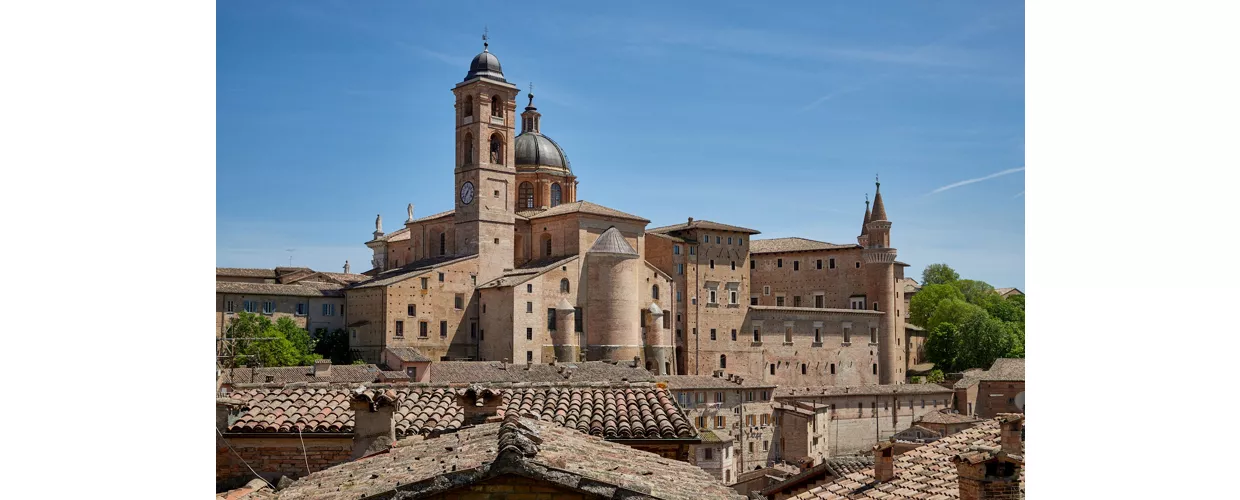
column 467, row 192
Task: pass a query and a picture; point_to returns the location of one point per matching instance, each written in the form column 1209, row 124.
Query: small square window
column 796, row 265
column 441, row 277
column 529, row 307
column 529, row 334
column 443, row 328
column 779, row 262
column 412, row 310
column 529, row 288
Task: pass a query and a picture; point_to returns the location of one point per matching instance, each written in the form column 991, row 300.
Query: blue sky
column 738, row 112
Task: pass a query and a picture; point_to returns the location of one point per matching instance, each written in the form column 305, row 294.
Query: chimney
column 884, row 461
column 322, row 368
column 346, row 267
column 225, row 408
column 637, row 361
column 985, row 472
column 481, row 405
column 1011, row 433
column 374, row 429
column 718, row 374
column 690, row 220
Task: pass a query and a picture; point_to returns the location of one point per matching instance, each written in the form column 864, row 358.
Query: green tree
column 359, row 361
column 954, row 311
column 334, row 345
column 941, row 346
column 938, row 274
column 1006, row 310
column 925, row 301
column 1016, row 334
column 263, row 343
column 982, row 340
column 935, row 376
column 977, row 292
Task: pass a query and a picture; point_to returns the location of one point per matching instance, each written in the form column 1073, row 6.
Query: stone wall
column 795, row 274
column 804, row 362
column 434, row 305
column 511, row 487
column 996, row 396
column 854, row 429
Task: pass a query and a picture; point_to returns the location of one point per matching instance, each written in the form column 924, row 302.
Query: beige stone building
column 523, row 269
column 314, row 300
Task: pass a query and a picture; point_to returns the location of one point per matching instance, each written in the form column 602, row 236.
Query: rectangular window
column 748, row 396
column 473, row 330
column 269, row 306
column 817, row 335
column 705, row 238
column 423, row 329
column 734, row 335
column 765, row 395
column 712, row 263
column 708, row 451
column 443, row 328
column 342, row 309
column 733, row 265
column 847, row 334
column 718, row 397
column 680, row 269
column 425, row 283
column 529, row 307
column 400, row 328
column 228, row 306
column 720, row 422
column 692, row 250
column 831, row 263
column 765, row 445
column 750, row 421
column 675, row 249
column 779, row 262
column 412, row 310
column 796, row 301
column 757, row 334
column 529, row 334
column 679, row 297
column 577, row 321
column 753, row 264
column 667, row 321
column 753, row 300
column 732, row 297
column 551, row 318
column 684, row 399
column 412, row 371
column 331, row 309
column 779, row 301
column 818, row 264
column 459, row 301
column 788, row 334
column 856, row 303
column 712, row 297
column 529, row 356
column 717, row 240
column 529, row 288
column 729, row 240
column 819, row 301
column 766, row 290
column 699, row 397
column 441, row 277
column 796, row 265
column 873, row 335
column 765, row 421
column 302, row 308
column 712, row 334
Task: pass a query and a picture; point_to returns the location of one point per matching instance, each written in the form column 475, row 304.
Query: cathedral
column 524, row 270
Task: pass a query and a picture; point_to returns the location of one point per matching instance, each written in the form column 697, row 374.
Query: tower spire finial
column 531, row 94
column 484, row 38
column 876, row 184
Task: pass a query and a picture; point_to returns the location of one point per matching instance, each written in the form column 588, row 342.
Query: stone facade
column 734, row 408
column 863, row 416
column 272, row 457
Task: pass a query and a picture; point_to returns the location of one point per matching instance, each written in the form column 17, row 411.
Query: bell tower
column 485, row 171
column 880, row 278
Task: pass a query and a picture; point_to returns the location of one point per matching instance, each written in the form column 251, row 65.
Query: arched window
column 467, row 149
column 654, row 292
column 443, row 244
column 497, row 150
column 497, row 107
column 564, row 285
column 555, row 194
column 723, row 361
column 525, row 195
column 469, row 106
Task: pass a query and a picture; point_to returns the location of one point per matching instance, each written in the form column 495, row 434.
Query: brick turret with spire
column 881, row 290
column 864, row 238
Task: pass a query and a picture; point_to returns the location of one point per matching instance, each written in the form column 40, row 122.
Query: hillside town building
column 523, row 269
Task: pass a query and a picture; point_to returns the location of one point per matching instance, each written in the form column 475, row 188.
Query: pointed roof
column 866, row 220
column 563, row 305
column 880, row 213
column 611, row 242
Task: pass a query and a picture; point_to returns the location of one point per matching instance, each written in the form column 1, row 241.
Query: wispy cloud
column 978, row 179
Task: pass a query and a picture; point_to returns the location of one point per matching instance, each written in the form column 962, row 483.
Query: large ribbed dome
column 485, row 65
column 535, row 149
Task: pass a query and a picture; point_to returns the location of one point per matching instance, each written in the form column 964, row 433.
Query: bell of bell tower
column 485, row 171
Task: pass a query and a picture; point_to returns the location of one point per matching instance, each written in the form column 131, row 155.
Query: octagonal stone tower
column 613, row 316
column 564, row 339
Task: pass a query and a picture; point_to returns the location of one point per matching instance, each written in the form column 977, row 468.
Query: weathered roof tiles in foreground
column 520, row 447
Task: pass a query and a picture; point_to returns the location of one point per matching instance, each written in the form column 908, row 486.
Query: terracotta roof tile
column 409, row 354
column 946, row 416
column 247, row 272
column 701, row 224
column 547, row 452
column 293, row 374
column 923, row 472
column 583, row 207
column 860, row 390
column 297, row 290
column 779, row 245
column 410, row 270
column 561, row 373
column 687, row 382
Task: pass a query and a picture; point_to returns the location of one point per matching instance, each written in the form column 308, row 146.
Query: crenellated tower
column 880, row 261
column 485, row 168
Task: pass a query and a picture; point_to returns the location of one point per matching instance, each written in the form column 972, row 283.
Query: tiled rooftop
column 633, row 412
column 293, row 374
column 777, row 245
column 517, row 446
column 925, row 472
column 248, row 272
column 946, row 416
column 410, row 270
column 834, row 466
column 583, row 207
column 527, row 271
column 701, row 224
column 408, row 354
column 860, row 390
column 688, row 382
column 295, row 290
column 1006, row 369
column 495, row 371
